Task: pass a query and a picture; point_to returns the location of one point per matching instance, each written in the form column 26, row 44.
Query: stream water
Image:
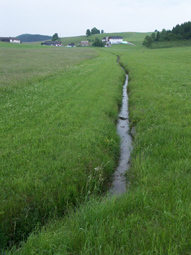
column 119, row 181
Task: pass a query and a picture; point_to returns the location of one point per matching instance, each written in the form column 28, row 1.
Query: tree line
column 93, row 31
column 33, row 38
column 179, row 32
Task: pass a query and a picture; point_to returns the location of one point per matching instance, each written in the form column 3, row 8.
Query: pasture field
column 154, row 216
column 24, row 63
column 57, row 129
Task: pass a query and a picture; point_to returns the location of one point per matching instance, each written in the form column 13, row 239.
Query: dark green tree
column 102, row 31
column 179, row 32
column 158, row 36
column 153, row 36
column 98, row 43
column 88, row 33
column 55, row 37
column 163, row 35
column 94, row 31
column 148, row 41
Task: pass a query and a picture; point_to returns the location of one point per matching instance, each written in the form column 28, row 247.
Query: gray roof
column 51, row 43
column 9, row 38
column 115, row 37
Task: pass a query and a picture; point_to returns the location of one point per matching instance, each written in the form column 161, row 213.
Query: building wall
column 84, row 43
column 14, row 41
column 115, row 41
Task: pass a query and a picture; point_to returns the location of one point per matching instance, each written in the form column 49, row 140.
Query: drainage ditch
column 119, row 181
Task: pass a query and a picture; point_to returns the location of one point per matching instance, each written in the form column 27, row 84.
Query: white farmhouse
column 113, row 39
column 14, row 40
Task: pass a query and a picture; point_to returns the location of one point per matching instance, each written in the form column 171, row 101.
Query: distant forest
column 180, row 32
column 33, row 38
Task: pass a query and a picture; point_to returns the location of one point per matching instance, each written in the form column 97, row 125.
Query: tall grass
column 58, row 137
column 154, row 216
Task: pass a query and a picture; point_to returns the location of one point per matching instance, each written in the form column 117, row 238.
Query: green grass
column 154, row 216
column 57, row 131
column 19, row 45
column 169, row 44
column 22, row 64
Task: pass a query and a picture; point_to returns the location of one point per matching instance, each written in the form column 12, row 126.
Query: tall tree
column 148, row 41
column 88, row 33
column 153, row 36
column 55, row 37
column 179, row 32
column 158, row 36
column 94, row 31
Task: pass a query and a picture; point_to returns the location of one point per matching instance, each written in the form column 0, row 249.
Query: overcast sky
column 74, row 17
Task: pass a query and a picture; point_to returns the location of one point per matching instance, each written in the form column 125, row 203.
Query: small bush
column 98, row 43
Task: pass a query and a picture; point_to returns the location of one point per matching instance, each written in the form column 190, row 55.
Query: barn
column 10, row 39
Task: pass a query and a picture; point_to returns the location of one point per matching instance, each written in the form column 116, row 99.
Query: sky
column 74, row 17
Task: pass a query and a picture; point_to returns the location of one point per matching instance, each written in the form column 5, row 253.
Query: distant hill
column 33, row 38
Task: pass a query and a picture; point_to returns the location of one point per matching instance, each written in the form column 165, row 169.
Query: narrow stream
column 119, row 181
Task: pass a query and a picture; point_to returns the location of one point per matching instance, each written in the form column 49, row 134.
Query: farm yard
column 59, row 148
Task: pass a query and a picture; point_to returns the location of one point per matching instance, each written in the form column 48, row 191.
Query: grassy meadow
column 57, row 131
column 24, row 63
column 154, row 216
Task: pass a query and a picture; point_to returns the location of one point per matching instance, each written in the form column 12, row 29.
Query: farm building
column 10, row 39
column 71, row 45
column 113, row 39
column 84, row 43
column 52, row 43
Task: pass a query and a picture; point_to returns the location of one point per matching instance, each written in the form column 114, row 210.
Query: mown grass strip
column 154, row 216
column 58, row 143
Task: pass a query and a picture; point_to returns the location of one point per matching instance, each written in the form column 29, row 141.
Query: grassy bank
column 58, row 134
column 154, row 216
